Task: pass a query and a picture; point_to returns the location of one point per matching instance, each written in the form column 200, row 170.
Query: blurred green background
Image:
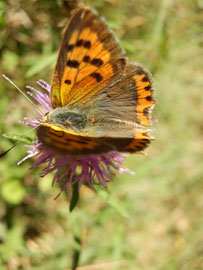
column 150, row 220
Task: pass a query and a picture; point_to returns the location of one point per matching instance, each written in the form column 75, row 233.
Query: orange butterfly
column 101, row 103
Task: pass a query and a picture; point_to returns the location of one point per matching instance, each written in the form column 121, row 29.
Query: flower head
column 66, row 167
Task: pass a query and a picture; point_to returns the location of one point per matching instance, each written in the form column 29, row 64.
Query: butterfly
column 101, row 103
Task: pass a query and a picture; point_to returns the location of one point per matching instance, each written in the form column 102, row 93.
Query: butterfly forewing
column 89, row 59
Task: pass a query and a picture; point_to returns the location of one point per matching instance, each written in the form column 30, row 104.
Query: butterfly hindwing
column 72, row 143
column 129, row 100
column 122, row 111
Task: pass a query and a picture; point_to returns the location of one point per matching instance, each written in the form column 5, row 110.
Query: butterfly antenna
column 18, row 141
column 33, row 104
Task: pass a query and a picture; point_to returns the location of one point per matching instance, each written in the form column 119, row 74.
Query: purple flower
column 65, row 167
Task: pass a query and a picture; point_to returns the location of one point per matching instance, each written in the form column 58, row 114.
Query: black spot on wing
column 86, row 58
column 145, row 79
column 138, row 148
column 79, row 43
column 96, row 62
column 67, row 81
column 147, row 87
column 73, row 63
column 149, row 98
column 97, row 76
column 70, row 47
column 87, row 44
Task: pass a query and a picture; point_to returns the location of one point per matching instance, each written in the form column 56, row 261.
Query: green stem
column 77, row 247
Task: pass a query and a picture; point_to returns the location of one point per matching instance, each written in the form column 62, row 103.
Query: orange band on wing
column 145, row 99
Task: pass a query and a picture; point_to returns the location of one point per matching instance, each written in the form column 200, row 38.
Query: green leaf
column 75, row 197
column 40, row 64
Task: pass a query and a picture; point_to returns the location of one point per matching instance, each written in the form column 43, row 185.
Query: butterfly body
column 67, row 119
column 100, row 102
